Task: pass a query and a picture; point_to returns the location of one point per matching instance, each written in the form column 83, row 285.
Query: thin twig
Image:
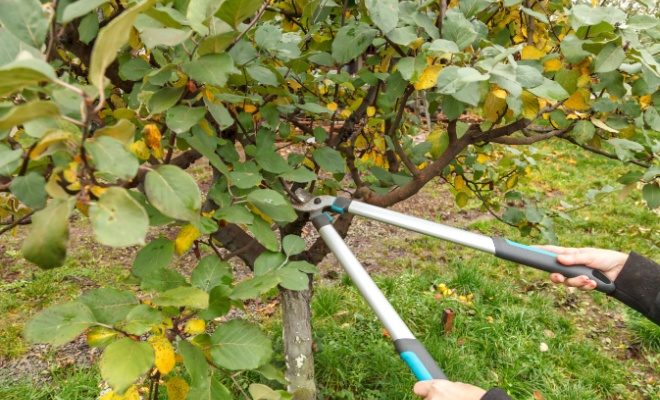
column 252, row 23
column 16, row 223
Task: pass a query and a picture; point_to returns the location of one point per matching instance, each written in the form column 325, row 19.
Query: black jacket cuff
column 496, row 394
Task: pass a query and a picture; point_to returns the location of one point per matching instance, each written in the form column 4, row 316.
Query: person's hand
column 608, row 261
column 440, row 389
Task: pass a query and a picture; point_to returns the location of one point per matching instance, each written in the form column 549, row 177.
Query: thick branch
column 346, row 130
column 515, row 141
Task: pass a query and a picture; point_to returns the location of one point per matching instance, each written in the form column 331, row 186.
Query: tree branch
column 16, row 223
column 601, row 152
column 515, row 141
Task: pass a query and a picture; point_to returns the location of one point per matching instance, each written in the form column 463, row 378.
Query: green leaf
column 539, row 16
column 24, row 72
column 30, row 190
column 329, row 159
column 88, row 28
column 384, row 13
column 211, row 69
column 160, row 280
column 100, row 336
column 571, row 49
column 220, row 114
column 264, row 235
column 109, row 305
column 110, row 40
column 238, row 345
column 196, row 365
column 301, row 175
column 164, row 99
column 456, row 28
column 46, row 244
column 293, row 279
column 234, row 12
column 181, row 118
column 470, row 8
column 268, row 261
column 292, row 245
column 168, row 37
column 59, row 324
column 155, row 255
column 351, row 41
column 528, row 77
column 12, row 47
column 124, row 361
column 254, row 287
column 219, row 303
column 443, row 46
column 135, row 69
column 183, row 296
column 141, row 319
column 652, row 118
column 111, row 156
column 80, row 8
column 210, row 272
column 533, row 214
column 173, row 192
column 643, row 22
column 273, row 204
column 550, row 90
column 200, row 11
column 583, row 131
column 262, row 75
column 610, row 58
column 26, row 20
column 651, row 194
column 28, row 111
column 118, row 219
column 245, row 180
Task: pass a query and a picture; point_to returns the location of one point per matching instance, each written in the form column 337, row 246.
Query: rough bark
column 297, row 337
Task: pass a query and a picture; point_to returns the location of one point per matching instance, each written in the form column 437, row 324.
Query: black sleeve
column 496, row 394
column 638, row 286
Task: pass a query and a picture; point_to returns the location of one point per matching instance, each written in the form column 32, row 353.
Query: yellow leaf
column 164, row 352
column 530, row 105
column 482, row 158
column 416, row 43
column 131, row 394
column 583, row 80
column 428, row 78
column 332, row 106
column 495, row 104
column 177, row 389
column 532, row 53
column 644, row 101
column 134, row 39
column 185, row 239
column 195, row 327
column 152, row 136
column 140, row 149
column 49, row 139
column 182, row 81
column 249, row 108
column 345, row 113
column 294, row 85
column 552, row 65
column 204, row 124
column 511, row 182
column 99, row 336
column 158, row 153
column 459, row 182
column 578, row 100
column 371, row 110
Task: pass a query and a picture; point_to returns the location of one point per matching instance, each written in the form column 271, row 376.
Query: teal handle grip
column 418, row 359
column 547, row 261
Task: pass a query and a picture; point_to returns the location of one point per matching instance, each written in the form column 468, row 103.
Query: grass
column 595, row 348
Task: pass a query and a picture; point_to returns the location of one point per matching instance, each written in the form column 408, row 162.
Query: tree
column 106, row 103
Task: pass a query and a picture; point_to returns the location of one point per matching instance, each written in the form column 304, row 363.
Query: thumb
column 575, row 259
column 422, row 388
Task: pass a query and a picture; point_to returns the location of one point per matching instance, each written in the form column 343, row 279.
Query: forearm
column 638, row 286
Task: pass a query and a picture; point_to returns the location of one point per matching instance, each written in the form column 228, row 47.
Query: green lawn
column 595, row 348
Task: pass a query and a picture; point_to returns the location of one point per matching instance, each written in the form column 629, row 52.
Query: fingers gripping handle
column 547, row 261
column 418, row 359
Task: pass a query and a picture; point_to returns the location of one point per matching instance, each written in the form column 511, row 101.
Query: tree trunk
column 297, row 337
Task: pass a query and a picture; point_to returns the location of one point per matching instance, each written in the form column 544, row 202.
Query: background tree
column 106, row 103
